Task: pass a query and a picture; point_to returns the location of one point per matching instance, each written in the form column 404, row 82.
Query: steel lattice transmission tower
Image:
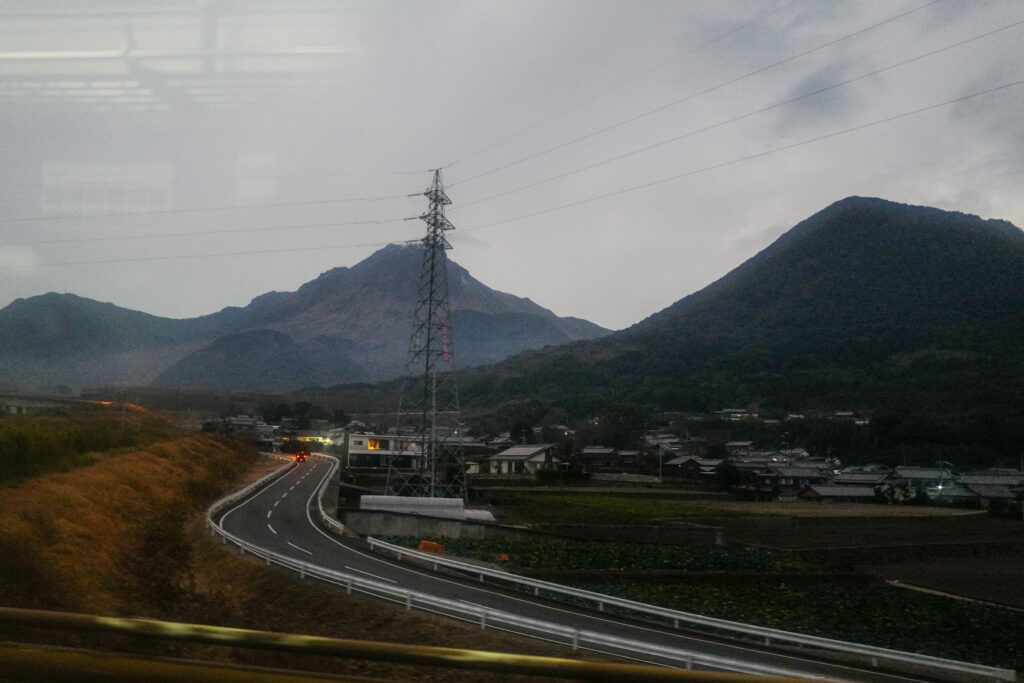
column 430, row 398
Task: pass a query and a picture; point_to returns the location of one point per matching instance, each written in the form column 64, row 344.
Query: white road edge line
column 271, row 529
column 375, row 577
column 298, row 548
column 224, row 517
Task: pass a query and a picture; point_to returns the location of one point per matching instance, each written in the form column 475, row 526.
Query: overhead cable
column 283, row 250
column 621, row 84
column 741, row 117
column 695, row 95
column 748, row 157
column 159, row 212
column 206, row 179
column 225, row 231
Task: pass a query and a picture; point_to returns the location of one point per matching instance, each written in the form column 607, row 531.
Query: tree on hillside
column 621, row 425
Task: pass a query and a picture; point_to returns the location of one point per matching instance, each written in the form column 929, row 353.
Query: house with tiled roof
column 823, row 493
column 522, row 460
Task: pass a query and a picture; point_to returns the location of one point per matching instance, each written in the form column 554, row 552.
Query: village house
column 790, row 479
column 522, row 460
column 598, row 456
column 924, row 477
column 735, row 448
column 987, row 493
column 822, row 493
column 871, row 479
column 377, row 450
column 686, row 467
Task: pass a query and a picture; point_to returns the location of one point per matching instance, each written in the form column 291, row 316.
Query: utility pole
column 429, row 394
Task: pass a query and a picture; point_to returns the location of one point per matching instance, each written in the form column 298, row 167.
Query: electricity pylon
column 430, row 398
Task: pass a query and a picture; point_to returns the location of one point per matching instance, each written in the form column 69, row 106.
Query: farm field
column 584, row 555
column 992, row 579
column 875, row 615
column 868, row 613
column 628, row 506
column 948, row 548
column 518, row 507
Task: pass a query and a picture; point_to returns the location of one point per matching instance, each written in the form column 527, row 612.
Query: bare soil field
column 992, row 579
column 801, row 509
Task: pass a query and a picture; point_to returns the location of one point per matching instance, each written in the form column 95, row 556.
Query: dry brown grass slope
column 125, row 537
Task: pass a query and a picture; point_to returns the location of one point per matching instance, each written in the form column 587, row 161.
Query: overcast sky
column 604, row 158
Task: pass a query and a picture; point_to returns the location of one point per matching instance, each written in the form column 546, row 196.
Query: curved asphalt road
column 279, row 518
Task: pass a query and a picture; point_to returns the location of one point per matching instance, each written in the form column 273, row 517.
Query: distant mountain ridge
column 347, row 325
column 832, row 314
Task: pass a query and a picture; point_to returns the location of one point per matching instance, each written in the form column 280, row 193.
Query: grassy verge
column 65, row 439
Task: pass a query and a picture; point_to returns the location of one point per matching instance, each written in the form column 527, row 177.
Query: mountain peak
column 810, row 318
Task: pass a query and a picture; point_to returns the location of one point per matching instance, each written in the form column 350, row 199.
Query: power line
column 588, row 200
column 206, row 179
column 750, row 156
column 207, row 255
column 741, row 117
column 695, row 95
column 117, row 238
column 621, row 84
column 158, row 212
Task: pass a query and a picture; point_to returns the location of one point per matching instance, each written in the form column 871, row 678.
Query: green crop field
column 875, row 615
column 614, row 556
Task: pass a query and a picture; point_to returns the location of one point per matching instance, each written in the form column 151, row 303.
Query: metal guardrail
column 245, row 493
column 331, row 522
column 483, row 617
column 675, row 617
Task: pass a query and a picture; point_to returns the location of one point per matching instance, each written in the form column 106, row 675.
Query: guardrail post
column 408, row 600
column 536, row 591
column 689, row 662
column 481, row 578
column 302, row 570
column 575, row 639
column 675, row 623
column 241, row 550
column 874, row 661
column 483, row 620
column 600, row 606
column 348, row 586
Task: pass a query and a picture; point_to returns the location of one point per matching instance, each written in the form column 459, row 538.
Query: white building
column 376, row 450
